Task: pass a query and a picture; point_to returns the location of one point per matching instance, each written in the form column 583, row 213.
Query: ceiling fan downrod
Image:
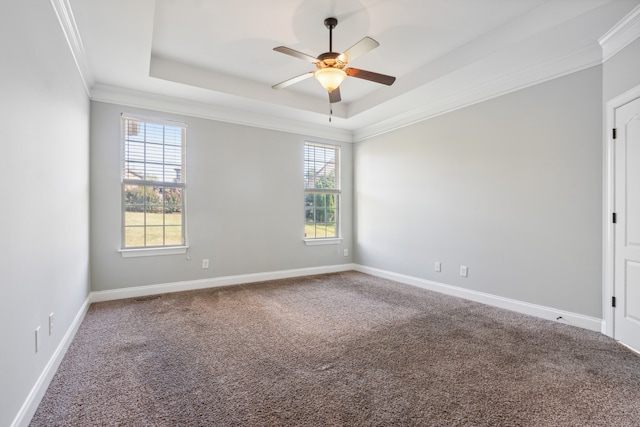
column 330, row 66
column 330, row 23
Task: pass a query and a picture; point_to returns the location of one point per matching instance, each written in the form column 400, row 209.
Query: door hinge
column 613, row 302
column 614, row 133
column 614, row 218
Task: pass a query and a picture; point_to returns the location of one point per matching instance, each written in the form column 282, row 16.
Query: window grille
column 322, row 191
column 153, row 183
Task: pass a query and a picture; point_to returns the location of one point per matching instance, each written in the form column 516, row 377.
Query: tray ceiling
column 218, row 55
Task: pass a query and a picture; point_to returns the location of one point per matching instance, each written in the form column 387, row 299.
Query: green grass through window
column 157, row 233
column 319, row 231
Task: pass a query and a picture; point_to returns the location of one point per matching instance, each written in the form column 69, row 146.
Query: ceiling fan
column 331, row 65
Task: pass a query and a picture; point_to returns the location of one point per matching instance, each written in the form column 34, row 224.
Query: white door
column 627, row 227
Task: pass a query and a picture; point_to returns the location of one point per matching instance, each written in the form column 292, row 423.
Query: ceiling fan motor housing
column 331, row 65
column 331, row 60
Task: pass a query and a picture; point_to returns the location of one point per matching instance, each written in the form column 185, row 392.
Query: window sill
column 139, row 252
column 317, row 242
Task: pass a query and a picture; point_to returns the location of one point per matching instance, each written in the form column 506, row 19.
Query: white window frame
column 165, row 249
column 336, row 191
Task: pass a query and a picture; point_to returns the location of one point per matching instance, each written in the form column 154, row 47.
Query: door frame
column 608, row 233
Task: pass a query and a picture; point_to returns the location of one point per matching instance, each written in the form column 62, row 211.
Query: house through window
column 153, row 183
column 322, row 191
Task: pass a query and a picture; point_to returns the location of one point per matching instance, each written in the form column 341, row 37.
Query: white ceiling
column 217, row 57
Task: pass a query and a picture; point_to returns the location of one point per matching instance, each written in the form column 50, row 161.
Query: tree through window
column 153, row 183
column 322, row 191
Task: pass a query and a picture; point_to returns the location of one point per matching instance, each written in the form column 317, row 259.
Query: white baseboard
column 543, row 312
column 30, row 405
column 548, row 313
column 140, row 291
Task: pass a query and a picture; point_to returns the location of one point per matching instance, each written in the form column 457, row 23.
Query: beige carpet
column 343, row 349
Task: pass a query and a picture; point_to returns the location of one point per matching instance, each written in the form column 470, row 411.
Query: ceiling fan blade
column 360, row 48
column 371, row 76
column 293, row 80
column 334, row 96
column 296, row 54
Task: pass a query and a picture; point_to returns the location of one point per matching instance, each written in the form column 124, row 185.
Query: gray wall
column 511, row 188
column 622, row 71
column 44, row 250
column 245, row 204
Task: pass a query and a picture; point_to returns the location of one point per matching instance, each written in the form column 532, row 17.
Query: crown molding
column 190, row 75
column 497, row 85
column 168, row 104
column 621, row 35
column 417, row 106
column 63, row 11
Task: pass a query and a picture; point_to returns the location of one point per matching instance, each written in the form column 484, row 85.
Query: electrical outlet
column 51, row 324
column 437, row 266
column 205, row 263
column 464, row 271
column 37, row 338
column 346, row 252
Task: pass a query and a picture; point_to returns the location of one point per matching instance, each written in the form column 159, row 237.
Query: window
column 153, row 183
column 322, row 191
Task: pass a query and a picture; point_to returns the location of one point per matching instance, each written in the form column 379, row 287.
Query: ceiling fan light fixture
column 331, row 65
column 330, row 78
